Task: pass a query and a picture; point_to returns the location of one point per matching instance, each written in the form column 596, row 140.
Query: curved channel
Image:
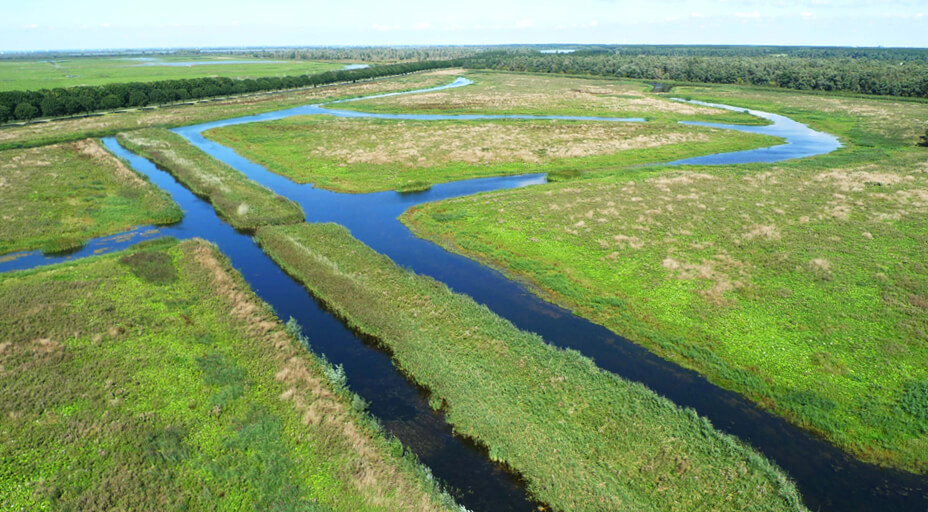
column 828, row 478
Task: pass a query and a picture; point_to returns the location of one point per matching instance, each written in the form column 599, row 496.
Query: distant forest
column 26, row 105
column 880, row 71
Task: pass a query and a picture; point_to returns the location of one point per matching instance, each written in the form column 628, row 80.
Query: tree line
column 69, row 101
column 895, row 72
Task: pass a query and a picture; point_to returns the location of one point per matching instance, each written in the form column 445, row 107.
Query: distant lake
column 558, row 51
column 356, row 66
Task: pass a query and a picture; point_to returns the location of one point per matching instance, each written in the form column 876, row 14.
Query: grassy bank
column 584, row 439
column 368, row 155
column 154, row 379
column 55, row 198
column 240, row 201
column 546, row 94
column 801, row 284
column 38, row 134
column 22, row 74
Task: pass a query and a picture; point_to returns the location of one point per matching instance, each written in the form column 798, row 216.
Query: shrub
column 155, row 267
column 915, row 399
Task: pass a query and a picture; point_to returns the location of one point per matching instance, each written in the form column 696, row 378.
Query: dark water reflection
column 827, row 477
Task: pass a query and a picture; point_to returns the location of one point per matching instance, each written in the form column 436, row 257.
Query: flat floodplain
column 56, row 197
column 35, row 74
column 802, row 284
column 240, row 201
column 154, row 379
column 368, row 155
column 583, row 438
column 170, row 116
column 540, row 94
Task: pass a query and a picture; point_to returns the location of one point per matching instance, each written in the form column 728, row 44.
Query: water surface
column 827, row 477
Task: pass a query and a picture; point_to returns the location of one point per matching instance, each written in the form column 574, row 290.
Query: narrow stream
column 828, row 478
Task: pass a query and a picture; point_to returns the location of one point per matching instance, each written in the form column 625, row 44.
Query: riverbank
column 796, row 284
column 583, row 439
column 243, row 203
column 157, row 379
column 182, row 114
column 55, row 198
column 370, row 155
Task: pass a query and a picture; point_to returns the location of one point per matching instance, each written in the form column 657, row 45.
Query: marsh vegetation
column 584, row 439
column 800, row 284
column 240, row 201
column 367, row 155
column 533, row 94
column 67, row 130
column 54, row 198
column 155, row 379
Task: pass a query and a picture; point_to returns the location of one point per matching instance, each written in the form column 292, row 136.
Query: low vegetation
column 583, row 438
column 70, row 71
column 367, row 155
column 99, row 125
column 54, row 198
column 154, row 379
column 27, row 105
column 801, row 284
column 528, row 94
column 240, row 201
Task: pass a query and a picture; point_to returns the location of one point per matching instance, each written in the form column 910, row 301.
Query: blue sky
column 86, row 24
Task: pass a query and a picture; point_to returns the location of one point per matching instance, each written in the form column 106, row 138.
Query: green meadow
column 546, row 94
column 54, row 198
column 154, row 379
column 370, row 155
column 800, row 284
column 172, row 116
column 30, row 75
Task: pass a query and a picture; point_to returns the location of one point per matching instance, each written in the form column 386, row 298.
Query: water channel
column 828, row 478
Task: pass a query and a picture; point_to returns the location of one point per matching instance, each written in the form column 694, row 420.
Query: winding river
column 828, row 478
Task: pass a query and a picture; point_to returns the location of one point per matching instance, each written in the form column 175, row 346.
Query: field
column 56, row 197
column 367, row 155
column 802, row 285
column 36, row 134
column 512, row 93
column 154, row 379
column 241, row 202
column 23, row 75
column 584, row 439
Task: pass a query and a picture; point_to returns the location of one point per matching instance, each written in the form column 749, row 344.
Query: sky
column 98, row 24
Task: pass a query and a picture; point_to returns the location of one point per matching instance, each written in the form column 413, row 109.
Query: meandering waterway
column 828, row 478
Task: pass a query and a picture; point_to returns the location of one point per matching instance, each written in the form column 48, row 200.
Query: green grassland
column 802, row 285
column 28, row 75
column 54, row 198
column 368, row 155
column 241, row 202
column 42, row 133
column 154, row 379
column 545, row 94
column 583, row 438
